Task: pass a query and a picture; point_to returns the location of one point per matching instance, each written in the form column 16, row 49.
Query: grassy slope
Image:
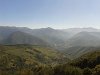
column 32, row 54
column 90, row 60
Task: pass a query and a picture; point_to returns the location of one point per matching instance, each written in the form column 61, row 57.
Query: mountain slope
column 54, row 37
column 84, row 39
column 82, row 43
column 24, row 38
column 74, row 31
column 75, row 52
column 30, row 54
column 90, row 59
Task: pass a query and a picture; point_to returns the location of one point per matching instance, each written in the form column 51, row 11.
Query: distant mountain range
column 62, row 39
column 19, row 37
column 78, row 30
column 85, row 39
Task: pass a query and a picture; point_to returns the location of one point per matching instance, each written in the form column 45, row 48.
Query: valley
column 48, row 51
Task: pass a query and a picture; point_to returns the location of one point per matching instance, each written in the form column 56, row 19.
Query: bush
column 87, row 71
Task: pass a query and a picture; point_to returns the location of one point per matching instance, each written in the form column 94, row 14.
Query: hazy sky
column 50, row 13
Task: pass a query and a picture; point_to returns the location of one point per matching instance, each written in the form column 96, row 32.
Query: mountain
column 74, row 31
column 6, row 31
column 74, row 41
column 75, row 52
column 19, row 37
column 48, row 51
column 84, row 39
column 54, row 37
column 90, row 60
column 82, row 43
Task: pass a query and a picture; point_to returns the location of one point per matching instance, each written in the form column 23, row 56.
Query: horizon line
column 51, row 27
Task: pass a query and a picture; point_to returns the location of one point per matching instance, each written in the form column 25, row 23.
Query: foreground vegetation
column 37, row 60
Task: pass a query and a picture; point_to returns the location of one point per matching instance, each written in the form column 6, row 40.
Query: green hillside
column 31, row 54
column 90, row 60
column 40, row 60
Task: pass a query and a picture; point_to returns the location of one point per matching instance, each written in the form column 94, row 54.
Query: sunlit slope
column 29, row 54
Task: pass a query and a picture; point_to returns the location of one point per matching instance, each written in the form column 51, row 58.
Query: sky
column 50, row 13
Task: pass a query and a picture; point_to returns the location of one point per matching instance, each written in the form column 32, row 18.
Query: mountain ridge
column 54, row 38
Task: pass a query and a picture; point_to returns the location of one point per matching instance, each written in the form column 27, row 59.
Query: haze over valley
column 73, row 39
column 49, row 47
column 49, row 37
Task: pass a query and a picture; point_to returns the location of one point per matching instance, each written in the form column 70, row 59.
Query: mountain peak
column 48, row 28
